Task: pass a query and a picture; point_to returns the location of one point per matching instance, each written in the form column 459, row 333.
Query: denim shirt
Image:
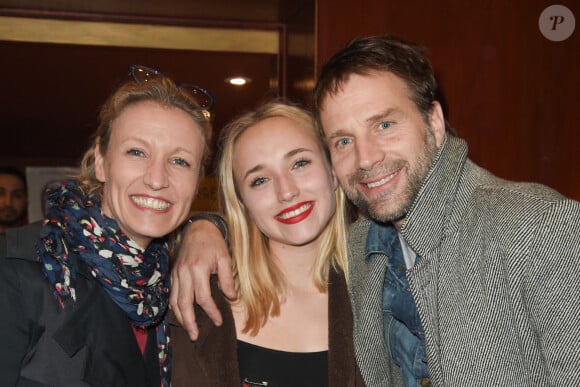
column 403, row 330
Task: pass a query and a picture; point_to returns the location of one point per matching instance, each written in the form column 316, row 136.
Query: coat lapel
column 112, row 356
column 342, row 368
column 211, row 359
column 366, row 288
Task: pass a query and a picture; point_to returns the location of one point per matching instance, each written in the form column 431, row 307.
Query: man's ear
column 99, row 163
column 437, row 122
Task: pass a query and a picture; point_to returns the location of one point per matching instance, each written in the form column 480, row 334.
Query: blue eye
column 181, row 162
column 385, row 124
column 301, row 163
column 343, row 141
column 135, row 152
column 258, row 181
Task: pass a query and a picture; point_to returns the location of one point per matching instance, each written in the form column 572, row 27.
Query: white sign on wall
column 37, row 178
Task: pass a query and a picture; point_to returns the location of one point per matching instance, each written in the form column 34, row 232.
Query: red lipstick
column 296, row 213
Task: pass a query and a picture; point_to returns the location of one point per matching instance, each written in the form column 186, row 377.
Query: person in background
column 84, row 295
column 290, row 323
column 457, row 277
column 13, row 198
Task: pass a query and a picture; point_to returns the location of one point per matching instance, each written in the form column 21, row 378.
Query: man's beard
column 9, row 217
column 374, row 208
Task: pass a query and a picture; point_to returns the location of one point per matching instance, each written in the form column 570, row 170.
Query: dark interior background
column 52, row 92
column 51, row 111
column 511, row 93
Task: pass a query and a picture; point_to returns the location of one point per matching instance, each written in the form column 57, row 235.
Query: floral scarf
column 136, row 280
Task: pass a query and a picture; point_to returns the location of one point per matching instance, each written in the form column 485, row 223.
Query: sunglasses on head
column 204, row 99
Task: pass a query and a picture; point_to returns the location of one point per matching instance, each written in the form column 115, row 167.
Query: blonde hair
column 162, row 91
column 259, row 282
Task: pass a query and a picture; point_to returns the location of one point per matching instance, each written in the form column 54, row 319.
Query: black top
column 261, row 366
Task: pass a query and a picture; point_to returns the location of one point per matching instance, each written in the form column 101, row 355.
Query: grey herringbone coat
column 497, row 287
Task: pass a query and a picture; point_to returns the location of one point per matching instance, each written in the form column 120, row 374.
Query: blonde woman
column 291, row 323
column 85, row 301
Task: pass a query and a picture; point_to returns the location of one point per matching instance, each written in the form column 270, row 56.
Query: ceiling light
column 238, row 81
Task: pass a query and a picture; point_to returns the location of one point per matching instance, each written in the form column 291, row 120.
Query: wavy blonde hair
column 162, row 91
column 259, row 282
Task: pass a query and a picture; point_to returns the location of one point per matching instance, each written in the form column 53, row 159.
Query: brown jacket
column 212, row 359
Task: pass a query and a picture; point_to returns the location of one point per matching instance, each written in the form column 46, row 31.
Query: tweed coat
column 497, row 287
column 212, row 359
column 88, row 343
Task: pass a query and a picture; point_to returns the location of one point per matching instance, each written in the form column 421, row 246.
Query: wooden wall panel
column 511, row 93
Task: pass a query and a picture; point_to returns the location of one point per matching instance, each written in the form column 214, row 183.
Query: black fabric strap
column 215, row 218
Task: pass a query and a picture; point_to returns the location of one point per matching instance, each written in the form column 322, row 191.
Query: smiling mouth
column 154, row 204
column 298, row 211
column 382, row 181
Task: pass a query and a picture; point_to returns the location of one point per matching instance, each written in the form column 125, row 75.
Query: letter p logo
column 556, row 20
column 557, row 23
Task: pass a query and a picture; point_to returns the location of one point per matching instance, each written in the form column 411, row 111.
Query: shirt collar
column 380, row 238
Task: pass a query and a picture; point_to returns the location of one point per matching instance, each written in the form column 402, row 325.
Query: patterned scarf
column 136, row 280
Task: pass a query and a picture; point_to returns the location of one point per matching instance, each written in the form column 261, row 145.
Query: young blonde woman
column 291, row 323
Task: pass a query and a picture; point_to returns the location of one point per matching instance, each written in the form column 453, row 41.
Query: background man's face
column 13, row 201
